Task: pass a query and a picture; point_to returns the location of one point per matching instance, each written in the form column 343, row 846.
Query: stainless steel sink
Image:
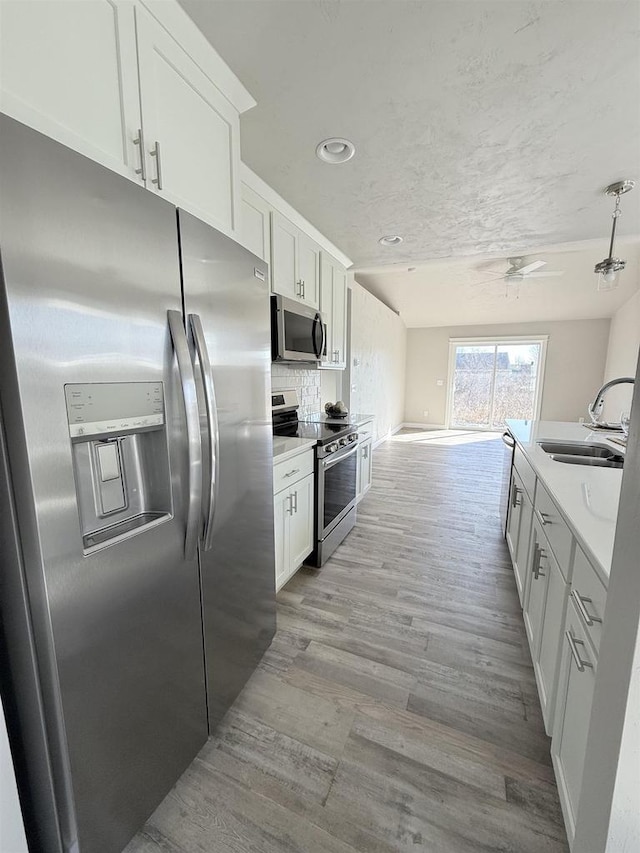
column 579, row 453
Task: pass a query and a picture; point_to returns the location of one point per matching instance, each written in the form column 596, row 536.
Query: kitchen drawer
column 525, row 471
column 289, row 472
column 365, row 431
column 558, row 534
column 589, row 596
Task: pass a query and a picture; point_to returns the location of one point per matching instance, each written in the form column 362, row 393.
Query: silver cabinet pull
column 289, row 509
column 213, row 430
column 538, row 554
column 514, row 497
column 291, row 473
column 139, row 141
column 304, row 289
column 575, row 654
column 580, row 602
column 295, row 502
column 190, row 400
column 155, row 152
column 545, row 518
column 299, row 288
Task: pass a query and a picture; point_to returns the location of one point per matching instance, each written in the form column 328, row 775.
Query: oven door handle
column 330, row 461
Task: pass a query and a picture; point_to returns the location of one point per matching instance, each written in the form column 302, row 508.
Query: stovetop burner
column 287, row 423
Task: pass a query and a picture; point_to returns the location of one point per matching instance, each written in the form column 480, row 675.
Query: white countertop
column 588, row 496
column 351, row 418
column 285, row 447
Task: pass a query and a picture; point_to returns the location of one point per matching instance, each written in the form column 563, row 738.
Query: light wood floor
column 396, row 709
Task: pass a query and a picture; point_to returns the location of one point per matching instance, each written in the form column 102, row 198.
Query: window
column 492, row 380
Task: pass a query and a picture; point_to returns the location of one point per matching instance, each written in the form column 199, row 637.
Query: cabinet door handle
column 294, row 502
column 291, row 473
column 538, row 554
column 155, row 152
column 299, row 288
column 545, row 518
column 575, row 654
column 514, row 497
column 580, row 601
column 139, row 141
column 304, row 289
column 289, row 509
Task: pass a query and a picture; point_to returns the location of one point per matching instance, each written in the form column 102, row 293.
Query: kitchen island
column 560, row 533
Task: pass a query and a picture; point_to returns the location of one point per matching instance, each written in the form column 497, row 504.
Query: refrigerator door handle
column 189, row 396
column 202, row 352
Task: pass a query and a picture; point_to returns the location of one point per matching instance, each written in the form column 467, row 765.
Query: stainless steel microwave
column 298, row 333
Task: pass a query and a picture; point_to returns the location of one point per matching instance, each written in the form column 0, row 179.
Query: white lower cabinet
column 293, row 514
column 544, row 614
column 571, row 727
column 365, row 468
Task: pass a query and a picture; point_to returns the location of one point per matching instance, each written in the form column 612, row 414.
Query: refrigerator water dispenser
column 120, row 458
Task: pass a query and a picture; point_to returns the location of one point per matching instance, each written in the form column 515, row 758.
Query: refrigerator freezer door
column 89, row 269
column 225, row 287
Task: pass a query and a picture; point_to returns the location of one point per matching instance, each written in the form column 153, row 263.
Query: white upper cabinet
column 284, row 236
column 309, row 270
column 333, row 305
column 134, row 85
column 295, row 262
column 191, row 131
column 69, row 70
column 255, row 233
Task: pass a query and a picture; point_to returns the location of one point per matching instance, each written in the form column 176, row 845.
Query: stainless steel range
column 335, row 472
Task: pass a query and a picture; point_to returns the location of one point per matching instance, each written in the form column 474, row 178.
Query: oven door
column 336, row 488
column 298, row 332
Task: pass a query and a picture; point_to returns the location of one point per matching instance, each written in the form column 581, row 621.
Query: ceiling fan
column 519, row 271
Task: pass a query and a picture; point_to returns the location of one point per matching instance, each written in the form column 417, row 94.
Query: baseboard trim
column 415, row 425
column 386, row 437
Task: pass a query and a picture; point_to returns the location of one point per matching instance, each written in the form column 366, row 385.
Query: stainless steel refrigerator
column 136, row 523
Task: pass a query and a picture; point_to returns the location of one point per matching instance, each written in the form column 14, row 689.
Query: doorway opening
column 491, row 380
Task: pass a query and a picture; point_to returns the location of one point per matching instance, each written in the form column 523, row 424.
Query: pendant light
column 609, row 269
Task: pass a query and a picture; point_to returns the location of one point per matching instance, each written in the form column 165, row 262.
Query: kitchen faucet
column 595, row 408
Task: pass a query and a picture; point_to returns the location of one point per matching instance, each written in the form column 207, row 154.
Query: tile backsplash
column 305, row 381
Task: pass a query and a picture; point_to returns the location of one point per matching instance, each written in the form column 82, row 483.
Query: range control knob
column 331, row 448
column 353, row 436
column 344, row 442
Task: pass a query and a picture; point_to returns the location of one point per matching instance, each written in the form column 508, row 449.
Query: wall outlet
column 439, row 382
column 426, row 413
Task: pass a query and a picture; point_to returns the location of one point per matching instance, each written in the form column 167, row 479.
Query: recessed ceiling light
column 335, row 150
column 391, row 240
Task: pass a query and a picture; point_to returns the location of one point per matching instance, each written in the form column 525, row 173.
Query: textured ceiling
column 479, row 126
column 461, row 292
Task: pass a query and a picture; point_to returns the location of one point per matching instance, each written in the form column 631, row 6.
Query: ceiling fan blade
column 529, row 268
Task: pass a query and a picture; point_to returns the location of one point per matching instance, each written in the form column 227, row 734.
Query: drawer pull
column 580, row 602
column 575, row 654
column 291, row 473
column 545, row 518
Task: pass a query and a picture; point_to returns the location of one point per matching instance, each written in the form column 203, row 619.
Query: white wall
column 622, row 356
column 576, row 355
column 378, row 358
